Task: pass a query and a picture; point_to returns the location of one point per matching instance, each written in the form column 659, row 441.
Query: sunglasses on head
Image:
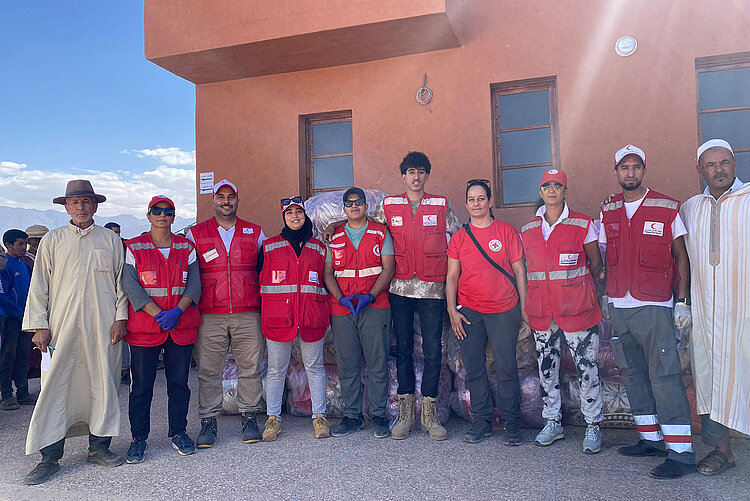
column 478, row 181
column 167, row 211
column 358, row 202
column 291, row 200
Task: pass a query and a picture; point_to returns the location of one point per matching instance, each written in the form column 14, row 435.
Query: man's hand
column 609, row 198
column 457, row 321
column 682, row 316
column 41, row 339
column 117, row 332
column 328, row 233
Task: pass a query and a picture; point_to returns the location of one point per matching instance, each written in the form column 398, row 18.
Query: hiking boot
column 273, row 428
column 592, row 440
column 27, row 400
column 644, row 448
column 429, row 421
column 672, row 469
column 41, row 472
column 512, row 433
column 321, row 427
column 480, row 429
column 551, row 432
column 380, row 428
column 183, row 444
column 10, row 404
column 105, row 457
column 136, row 451
column 346, row 426
column 208, row 434
column 406, row 421
column 250, row 432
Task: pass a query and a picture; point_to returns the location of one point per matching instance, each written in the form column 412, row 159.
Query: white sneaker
column 592, row 440
column 551, row 432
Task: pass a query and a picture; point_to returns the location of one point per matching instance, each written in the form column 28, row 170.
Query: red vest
column 419, row 241
column 560, row 284
column 229, row 283
column 639, row 250
column 357, row 270
column 164, row 281
column 294, row 298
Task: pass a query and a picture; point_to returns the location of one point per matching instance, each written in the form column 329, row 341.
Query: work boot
column 321, row 427
column 250, row 432
column 430, row 422
column 551, row 432
column 644, row 448
column 208, row 434
column 41, row 472
column 273, row 428
column 406, row 421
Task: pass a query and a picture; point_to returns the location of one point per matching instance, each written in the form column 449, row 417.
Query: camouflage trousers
column 584, row 346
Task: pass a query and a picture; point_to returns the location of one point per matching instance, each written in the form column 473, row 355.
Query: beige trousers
column 217, row 332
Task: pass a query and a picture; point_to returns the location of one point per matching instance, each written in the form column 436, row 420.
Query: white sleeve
column 593, row 234
column 678, row 228
column 192, row 257
column 189, row 236
column 261, row 239
column 130, row 258
column 602, row 233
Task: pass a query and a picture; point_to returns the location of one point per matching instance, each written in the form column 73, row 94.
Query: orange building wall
column 247, row 130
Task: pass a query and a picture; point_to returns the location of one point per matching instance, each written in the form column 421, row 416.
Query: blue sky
column 78, row 98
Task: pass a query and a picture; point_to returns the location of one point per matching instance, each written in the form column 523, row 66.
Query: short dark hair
column 111, row 225
column 415, row 159
column 10, row 236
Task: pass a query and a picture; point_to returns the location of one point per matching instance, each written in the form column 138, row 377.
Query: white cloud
column 169, row 156
column 10, row 168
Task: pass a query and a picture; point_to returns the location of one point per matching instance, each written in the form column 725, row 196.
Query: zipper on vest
column 229, row 281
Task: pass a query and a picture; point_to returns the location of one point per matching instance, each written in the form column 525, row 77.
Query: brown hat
column 79, row 188
column 37, row 231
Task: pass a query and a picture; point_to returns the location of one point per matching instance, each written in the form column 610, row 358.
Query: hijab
column 297, row 238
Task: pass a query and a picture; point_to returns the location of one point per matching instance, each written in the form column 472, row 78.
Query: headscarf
column 297, row 238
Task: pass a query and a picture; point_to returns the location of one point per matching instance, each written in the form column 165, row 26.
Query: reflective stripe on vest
column 183, row 245
column 156, row 291
column 345, row 273
column 575, row 221
column 376, row 232
column 566, row 274
column 433, row 201
column 612, row 206
column 660, row 202
column 178, row 291
column 312, row 289
column 531, row 225
column 394, row 200
column 277, row 289
column 368, row 272
column 141, row 246
column 316, row 247
column 275, row 245
column 535, row 275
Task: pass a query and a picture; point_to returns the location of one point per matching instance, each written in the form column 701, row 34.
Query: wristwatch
column 372, row 298
column 683, row 300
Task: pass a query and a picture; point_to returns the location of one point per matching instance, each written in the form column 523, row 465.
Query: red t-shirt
column 481, row 286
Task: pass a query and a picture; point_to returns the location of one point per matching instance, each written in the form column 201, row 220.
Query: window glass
column 724, row 89
column 743, row 166
column 522, row 185
column 733, row 126
column 526, row 109
column 330, row 139
column 526, row 147
column 332, row 172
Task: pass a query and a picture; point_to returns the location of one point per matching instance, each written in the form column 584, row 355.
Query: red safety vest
column 560, row 283
column 164, row 281
column 229, row 283
column 419, row 241
column 639, row 250
column 294, row 299
column 357, row 270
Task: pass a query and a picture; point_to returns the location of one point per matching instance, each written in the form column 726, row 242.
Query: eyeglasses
column 358, row 202
column 167, row 211
column 555, row 186
column 478, row 181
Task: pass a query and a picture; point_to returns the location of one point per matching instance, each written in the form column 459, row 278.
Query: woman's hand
column 457, row 321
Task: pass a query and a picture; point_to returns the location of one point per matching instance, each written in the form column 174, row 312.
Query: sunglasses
column 291, row 200
column 556, row 186
column 358, row 202
column 167, row 211
column 478, row 181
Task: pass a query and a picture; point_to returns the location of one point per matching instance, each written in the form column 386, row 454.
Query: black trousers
column 55, row 451
column 143, row 373
column 14, row 358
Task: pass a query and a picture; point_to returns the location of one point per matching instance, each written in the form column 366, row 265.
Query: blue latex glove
column 167, row 320
column 346, row 302
column 362, row 302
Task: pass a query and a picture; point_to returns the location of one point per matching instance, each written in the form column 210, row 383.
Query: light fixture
column 626, row 46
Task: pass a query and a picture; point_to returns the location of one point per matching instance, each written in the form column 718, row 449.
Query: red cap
column 554, row 175
column 160, row 198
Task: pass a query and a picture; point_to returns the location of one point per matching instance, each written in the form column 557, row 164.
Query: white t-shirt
column 226, row 237
column 591, row 235
column 130, row 258
column 628, row 301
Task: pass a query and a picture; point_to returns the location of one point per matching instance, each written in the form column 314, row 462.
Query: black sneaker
column 209, row 431
column 380, row 428
column 9, row 404
column 672, row 469
column 346, row 426
column 644, row 448
column 512, row 433
column 136, row 451
column 250, row 432
column 480, row 429
column 183, row 444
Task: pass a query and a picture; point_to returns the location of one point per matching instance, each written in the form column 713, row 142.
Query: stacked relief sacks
column 229, row 404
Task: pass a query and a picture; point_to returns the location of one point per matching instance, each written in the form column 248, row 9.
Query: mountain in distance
column 131, row 226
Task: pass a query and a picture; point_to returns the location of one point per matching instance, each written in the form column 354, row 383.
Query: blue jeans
column 278, row 363
column 14, row 358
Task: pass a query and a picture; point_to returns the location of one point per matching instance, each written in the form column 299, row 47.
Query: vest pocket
column 534, row 303
column 317, row 314
column 208, row 296
column 576, row 298
column 277, row 313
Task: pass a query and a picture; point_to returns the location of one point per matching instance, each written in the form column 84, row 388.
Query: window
column 724, row 104
column 326, row 152
column 524, row 126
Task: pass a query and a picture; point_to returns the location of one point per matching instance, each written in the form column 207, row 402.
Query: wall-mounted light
column 625, row 46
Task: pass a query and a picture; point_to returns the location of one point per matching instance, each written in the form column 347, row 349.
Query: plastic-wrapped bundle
column 329, row 352
column 607, row 365
column 525, row 352
column 229, row 403
column 298, row 392
column 328, row 207
column 531, row 398
column 615, row 405
column 692, row 400
column 460, row 401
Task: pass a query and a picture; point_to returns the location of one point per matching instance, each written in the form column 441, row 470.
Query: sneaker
column 105, row 457
column 10, row 404
column 41, row 472
column 512, row 433
column 551, row 432
column 183, row 444
column 592, row 440
column 672, row 469
column 136, row 451
column 380, row 428
column 321, row 427
column 644, row 448
column 480, row 429
column 28, row 400
column 250, row 432
column 208, row 434
column 346, row 426
column 273, row 428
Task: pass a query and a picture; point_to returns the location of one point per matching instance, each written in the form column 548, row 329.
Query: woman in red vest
column 295, row 304
column 162, row 282
column 485, row 261
column 561, row 303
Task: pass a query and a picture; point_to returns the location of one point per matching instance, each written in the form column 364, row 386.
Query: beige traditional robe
column 718, row 243
column 75, row 293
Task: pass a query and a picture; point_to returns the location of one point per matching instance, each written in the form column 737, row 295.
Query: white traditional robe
column 718, row 244
column 75, row 293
